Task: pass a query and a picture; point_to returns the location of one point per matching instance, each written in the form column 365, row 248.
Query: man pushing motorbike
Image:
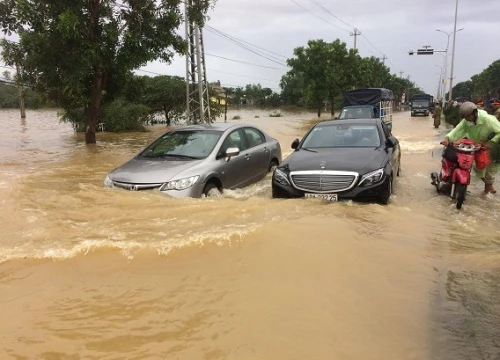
column 477, row 125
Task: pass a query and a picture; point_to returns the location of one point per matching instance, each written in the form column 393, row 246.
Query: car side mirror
column 231, row 152
column 295, row 144
column 392, row 141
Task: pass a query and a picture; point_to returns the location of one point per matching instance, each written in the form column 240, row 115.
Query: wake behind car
column 341, row 159
column 196, row 160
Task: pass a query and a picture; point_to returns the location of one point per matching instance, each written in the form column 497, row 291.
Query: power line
column 267, row 57
column 240, row 86
column 245, row 76
column 313, row 14
column 367, row 47
column 369, row 42
column 223, row 72
column 245, row 42
column 151, row 72
column 329, row 12
column 345, row 22
column 243, row 62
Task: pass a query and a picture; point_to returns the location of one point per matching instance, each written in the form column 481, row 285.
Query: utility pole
column 197, row 96
column 225, row 104
column 21, row 91
column 445, row 78
column 401, row 74
column 438, row 93
column 408, row 88
column 453, row 52
column 356, row 33
column 384, row 58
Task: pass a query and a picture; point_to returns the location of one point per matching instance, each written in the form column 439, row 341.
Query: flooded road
column 93, row 273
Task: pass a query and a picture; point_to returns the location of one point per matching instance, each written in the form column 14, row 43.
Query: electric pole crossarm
column 356, row 33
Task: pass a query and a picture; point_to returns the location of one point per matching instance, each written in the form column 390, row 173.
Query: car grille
column 323, row 181
column 136, row 187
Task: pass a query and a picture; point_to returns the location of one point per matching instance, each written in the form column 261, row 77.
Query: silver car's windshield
column 345, row 135
column 193, row 144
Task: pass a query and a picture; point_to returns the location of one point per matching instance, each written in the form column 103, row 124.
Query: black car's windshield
column 421, row 103
column 342, row 135
column 357, row 113
column 195, row 144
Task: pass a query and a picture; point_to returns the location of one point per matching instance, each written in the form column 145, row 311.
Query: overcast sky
column 388, row 27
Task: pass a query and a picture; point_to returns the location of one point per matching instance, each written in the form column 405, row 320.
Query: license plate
column 327, row 197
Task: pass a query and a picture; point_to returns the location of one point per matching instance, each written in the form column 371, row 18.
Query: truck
column 368, row 103
column 422, row 104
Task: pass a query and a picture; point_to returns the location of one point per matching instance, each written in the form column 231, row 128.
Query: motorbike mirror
column 491, row 135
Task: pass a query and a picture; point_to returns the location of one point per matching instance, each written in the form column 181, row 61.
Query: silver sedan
column 198, row 160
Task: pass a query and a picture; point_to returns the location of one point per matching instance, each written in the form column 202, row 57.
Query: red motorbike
column 456, row 166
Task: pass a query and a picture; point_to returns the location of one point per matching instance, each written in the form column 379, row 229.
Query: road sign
column 425, row 51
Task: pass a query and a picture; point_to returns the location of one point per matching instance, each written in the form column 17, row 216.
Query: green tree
column 292, row 89
column 342, row 64
column 74, row 46
column 15, row 55
column 313, row 64
column 464, row 89
column 372, row 73
column 166, row 94
column 484, row 85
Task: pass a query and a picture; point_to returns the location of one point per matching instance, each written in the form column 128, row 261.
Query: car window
column 254, row 137
column 234, row 139
column 357, row 113
column 187, row 144
column 332, row 136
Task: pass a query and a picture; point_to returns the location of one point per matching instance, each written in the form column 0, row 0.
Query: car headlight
column 108, row 182
column 281, row 177
column 372, row 177
column 180, row 184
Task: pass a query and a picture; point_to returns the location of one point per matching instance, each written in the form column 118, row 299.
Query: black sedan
column 341, row 159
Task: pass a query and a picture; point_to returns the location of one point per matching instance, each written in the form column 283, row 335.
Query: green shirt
column 485, row 125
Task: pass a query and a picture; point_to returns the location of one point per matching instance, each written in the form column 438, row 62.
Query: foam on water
column 220, row 236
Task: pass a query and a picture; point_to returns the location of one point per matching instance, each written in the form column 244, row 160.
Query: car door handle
column 247, row 156
column 266, row 149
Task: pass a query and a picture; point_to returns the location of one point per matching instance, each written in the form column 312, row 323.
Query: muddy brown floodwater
column 93, row 273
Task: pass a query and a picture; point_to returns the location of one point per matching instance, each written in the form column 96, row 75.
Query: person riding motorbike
column 477, row 125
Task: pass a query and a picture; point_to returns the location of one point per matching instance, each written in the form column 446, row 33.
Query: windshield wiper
column 183, row 156
column 154, row 156
column 310, row 150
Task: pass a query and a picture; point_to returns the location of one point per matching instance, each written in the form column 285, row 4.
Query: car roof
column 350, row 121
column 215, row 126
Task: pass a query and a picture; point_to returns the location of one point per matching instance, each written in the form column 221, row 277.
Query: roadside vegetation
column 483, row 86
column 83, row 57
